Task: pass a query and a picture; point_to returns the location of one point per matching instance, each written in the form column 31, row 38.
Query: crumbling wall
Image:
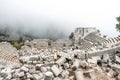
column 8, row 55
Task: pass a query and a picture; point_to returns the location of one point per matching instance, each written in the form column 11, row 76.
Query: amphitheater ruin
column 86, row 55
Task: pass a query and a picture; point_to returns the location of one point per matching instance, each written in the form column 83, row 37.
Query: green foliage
column 71, row 35
column 18, row 45
column 118, row 25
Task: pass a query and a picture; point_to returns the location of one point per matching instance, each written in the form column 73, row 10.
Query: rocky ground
column 62, row 65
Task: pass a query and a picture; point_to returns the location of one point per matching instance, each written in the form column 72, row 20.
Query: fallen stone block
column 105, row 58
column 79, row 75
column 56, row 71
column 34, row 58
column 37, row 77
column 90, row 74
column 23, row 68
column 20, row 74
column 116, row 67
column 43, row 69
column 48, row 75
column 32, row 71
column 118, row 77
column 66, row 66
column 111, row 73
column 76, row 64
column 57, row 78
column 29, row 75
column 83, row 64
column 38, row 66
column 117, row 59
column 61, row 60
column 65, row 74
column 6, row 73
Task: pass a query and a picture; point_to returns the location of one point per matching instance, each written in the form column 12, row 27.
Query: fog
column 58, row 18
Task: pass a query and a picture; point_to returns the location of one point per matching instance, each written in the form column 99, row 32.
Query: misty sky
column 63, row 15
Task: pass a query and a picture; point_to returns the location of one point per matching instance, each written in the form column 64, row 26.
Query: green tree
column 118, row 25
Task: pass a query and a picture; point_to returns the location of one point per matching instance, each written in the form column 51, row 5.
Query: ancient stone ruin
column 86, row 55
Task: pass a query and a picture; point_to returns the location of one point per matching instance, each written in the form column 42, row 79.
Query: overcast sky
column 65, row 15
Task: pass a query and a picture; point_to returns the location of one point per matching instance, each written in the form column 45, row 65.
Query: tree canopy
column 118, row 25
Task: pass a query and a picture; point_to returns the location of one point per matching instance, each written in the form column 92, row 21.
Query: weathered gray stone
column 61, row 60
column 32, row 71
column 71, row 78
column 105, row 58
column 65, row 74
column 79, row 75
column 83, row 64
column 66, row 66
column 76, row 64
column 57, row 78
column 48, row 75
column 90, row 74
column 118, row 77
column 116, row 67
column 29, row 75
column 34, row 58
column 56, row 71
column 38, row 66
column 6, row 73
column 20, row 74
column 111, row 73
column 94, row 60
column 1, row 78
column 43, row 69
column 23, row 68
column 37, row 77
column 117, row 59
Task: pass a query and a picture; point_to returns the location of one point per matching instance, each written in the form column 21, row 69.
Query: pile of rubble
column 64, row 65
column 94, row 58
